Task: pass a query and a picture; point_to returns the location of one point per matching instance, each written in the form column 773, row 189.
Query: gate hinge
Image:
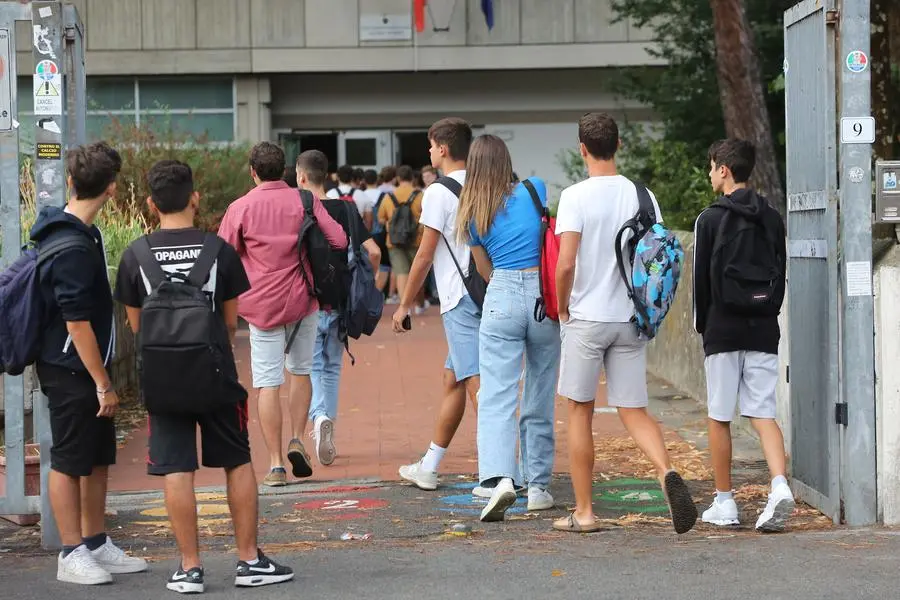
column 841, row 416
column 832, row 17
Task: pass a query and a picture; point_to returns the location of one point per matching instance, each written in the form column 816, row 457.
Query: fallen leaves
column 621, row 456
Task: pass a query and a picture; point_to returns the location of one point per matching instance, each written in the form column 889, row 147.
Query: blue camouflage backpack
column 655, row 258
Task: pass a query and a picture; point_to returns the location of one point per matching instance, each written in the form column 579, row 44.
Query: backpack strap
column 412, row 197
column 540, row 305
column 451, row 184
column 453, row 256
column 646, row 211
column 212, row 245
column 307, row 199
column 143, row 252
column 394, row 200
column 353, row 232
column 51, row 249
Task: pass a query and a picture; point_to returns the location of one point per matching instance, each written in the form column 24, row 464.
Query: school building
column 356, row 78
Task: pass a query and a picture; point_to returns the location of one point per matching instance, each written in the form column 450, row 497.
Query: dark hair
column 290, row 176
column 358, row 174
column 406, row 173
column 599, row 134
column 370, row 177
column 314, row 164
column 455, row 133
column 92, row 168
column 345, row 174
column 171, row 185
column 267, row 160
column 388, row 174
column 419, row 180
column 736, row 154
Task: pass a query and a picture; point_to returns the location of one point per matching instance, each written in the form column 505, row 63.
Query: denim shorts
column 461, row 325
column 267, row 352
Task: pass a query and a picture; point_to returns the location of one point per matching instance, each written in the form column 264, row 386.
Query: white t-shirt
column 360, row 198
column 597, row 208
column 439, row 206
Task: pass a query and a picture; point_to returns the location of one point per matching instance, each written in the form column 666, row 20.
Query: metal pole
column 857, row 310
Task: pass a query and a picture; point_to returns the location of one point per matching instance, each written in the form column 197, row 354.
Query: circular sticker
column 857, row 61
column 46, row 70
column 856, row 175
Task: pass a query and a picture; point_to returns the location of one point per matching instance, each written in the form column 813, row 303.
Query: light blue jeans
column 509, row 333
column 328, row 358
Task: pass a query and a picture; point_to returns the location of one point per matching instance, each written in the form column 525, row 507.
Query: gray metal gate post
column 812, row 253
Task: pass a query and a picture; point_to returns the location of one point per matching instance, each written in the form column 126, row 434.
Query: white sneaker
column 539, row 499
column 80, row 567
column 779, row 507
column 486, row 492
column 722, row 513
column 503, row 497
column 419, row 311
column 114, row 560
column 424, row 480
column 323, row 432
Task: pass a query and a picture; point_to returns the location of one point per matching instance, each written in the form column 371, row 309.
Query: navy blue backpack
column 365, row 302
column 22, row 307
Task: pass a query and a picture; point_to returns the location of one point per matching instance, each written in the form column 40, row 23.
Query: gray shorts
column 748, row 377
column 588, row 348
column 267, row 357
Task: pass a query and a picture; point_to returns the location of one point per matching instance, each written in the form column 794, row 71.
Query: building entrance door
column 365, row 149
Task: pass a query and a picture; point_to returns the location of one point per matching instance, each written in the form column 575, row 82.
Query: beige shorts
column 402, row 259
column 268, row 359
column 588, row 348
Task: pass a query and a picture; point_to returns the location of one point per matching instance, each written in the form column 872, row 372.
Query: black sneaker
column 190, row 582
column 264, row 572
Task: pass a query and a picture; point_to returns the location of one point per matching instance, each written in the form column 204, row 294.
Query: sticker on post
column 889, row 181
column 41, row 43
column 857, row 61
column 45, row 12
column 856, row 175
column 859, row 278
column 857, row 130
column 48, row 151
column 47, row 89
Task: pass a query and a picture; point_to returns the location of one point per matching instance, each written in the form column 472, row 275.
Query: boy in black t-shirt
column 312, row 170
column 225, row 442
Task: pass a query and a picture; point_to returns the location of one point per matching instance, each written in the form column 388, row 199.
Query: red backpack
column 547, row 305
column 348, row 197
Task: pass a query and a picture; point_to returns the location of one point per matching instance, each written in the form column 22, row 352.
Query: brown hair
column 455, row 133
column 599, row 134
column 488, row 175
column 313, row 164
column 267, row 161
column 738, row 155
column 406, row 174
column 92, row 168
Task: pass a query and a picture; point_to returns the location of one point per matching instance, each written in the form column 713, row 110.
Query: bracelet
column 103, row 392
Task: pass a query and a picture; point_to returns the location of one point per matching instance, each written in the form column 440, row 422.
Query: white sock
column 255, row 561
column 723, row 496
column 780, row 480
column 432, row 460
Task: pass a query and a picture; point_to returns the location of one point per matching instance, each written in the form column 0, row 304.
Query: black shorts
column 224, row 440
column 81, row 439
column 381, row 239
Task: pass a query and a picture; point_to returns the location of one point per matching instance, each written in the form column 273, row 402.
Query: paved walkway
column 388, row 405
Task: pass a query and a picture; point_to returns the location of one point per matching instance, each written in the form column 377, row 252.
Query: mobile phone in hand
column 407, row 323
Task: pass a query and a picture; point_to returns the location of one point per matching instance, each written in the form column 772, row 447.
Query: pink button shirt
column 263, row 227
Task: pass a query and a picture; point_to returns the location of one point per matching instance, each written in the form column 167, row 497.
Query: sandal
column 572, row 525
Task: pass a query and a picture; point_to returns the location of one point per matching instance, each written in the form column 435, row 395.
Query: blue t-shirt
column 513, row 242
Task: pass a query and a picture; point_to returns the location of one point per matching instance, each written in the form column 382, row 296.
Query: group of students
column 477, row 223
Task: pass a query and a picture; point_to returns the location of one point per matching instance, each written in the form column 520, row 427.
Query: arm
column 369, row 219
column 230, row 315
column 483, row 262
column 417, row 274
column 569, row 243
column 383, row 210
column 334, row 233
column 374, row 253
column 134, row 318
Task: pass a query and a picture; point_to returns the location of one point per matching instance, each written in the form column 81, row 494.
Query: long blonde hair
column 489, row 174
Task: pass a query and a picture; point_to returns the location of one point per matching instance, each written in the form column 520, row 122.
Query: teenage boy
column 450, row 140
column 596, row 315
column 402, row 256
column 348, row 187
column 742, row 235
column 312, row 168
column 76, row 349
column 173, row 437
column 264, row 227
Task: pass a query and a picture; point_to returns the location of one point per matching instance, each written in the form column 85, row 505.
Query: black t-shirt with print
column 176, row 250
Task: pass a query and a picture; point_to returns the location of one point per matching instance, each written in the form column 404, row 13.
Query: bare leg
column 581, row 458
column 298, row 404
column 720, row 452
column 645, row 431
column 772, row 444
column 453, row 408
column 381, row 279
column 65, row 498
column 473, row 384
column 243, row 503
column 93, row 502
column 270, row 420
column 181, row 504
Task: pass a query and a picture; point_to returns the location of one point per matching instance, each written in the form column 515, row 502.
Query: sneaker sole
column 274, row 483
column 422, row 485
column 261, row 580
column 776, row 524
column 681, row 504
column 182, row 587
column 81, row 580
column 123, row 569
column 299, row 464
column 497, row 511
column 722, row 522
column 325, row 448
column 521, row 492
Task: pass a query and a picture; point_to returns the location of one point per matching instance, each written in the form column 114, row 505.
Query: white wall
column 534, row 148
column 887, row 385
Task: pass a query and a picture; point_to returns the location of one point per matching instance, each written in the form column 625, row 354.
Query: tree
column 885, row 16
column 741, row 93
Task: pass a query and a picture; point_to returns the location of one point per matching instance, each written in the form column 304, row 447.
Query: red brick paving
column 388, row 405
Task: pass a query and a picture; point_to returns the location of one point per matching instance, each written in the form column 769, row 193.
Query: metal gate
column 813, row 284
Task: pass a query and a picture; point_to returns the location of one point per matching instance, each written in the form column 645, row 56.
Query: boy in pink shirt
column 264, row 227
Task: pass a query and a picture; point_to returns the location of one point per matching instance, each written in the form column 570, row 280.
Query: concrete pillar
column 254, row 97
column 887, row 385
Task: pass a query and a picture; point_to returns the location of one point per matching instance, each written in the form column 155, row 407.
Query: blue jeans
column 509, row 333
column 328, row 358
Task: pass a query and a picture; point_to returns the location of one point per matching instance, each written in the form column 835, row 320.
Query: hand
column 564, row 317
column 109, row 402
column 401, row 313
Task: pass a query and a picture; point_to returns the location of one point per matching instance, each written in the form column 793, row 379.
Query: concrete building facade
column 354, row 77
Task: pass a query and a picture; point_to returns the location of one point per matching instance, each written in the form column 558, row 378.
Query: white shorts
column 268, row 359
column 588, row 347
column 750, row 377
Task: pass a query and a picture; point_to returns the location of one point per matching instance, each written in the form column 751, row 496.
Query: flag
column 419, row 14
column 487, row 7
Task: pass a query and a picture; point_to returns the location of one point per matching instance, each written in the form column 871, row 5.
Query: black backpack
column 475, row 283
column 749, row 278
column 403, row 228
column 328, row 267
column 184, row 353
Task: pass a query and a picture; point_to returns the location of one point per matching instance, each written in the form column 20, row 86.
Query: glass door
column 365, row 149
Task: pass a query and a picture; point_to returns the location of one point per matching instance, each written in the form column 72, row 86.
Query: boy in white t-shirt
column 450, row 140
column 597, row 330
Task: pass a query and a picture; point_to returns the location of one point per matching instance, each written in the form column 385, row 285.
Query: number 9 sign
column 857, row 130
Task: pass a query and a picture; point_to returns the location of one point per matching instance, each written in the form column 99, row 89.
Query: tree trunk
column 882, row 88
column 742, row 95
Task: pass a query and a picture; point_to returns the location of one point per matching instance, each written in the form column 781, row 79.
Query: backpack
column 22, row 306
column 186, row 366
column 653, row 268
column 348, row 197
column 475, row 283
column 403, row 228
column 749, row 278
column 364, row 302
column 548, row 304
column 324, row 264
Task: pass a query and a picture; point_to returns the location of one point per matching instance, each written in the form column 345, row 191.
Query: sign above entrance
column 383, row 27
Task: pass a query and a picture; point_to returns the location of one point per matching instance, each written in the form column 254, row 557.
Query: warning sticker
column 47, row 89
column 48, row 151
